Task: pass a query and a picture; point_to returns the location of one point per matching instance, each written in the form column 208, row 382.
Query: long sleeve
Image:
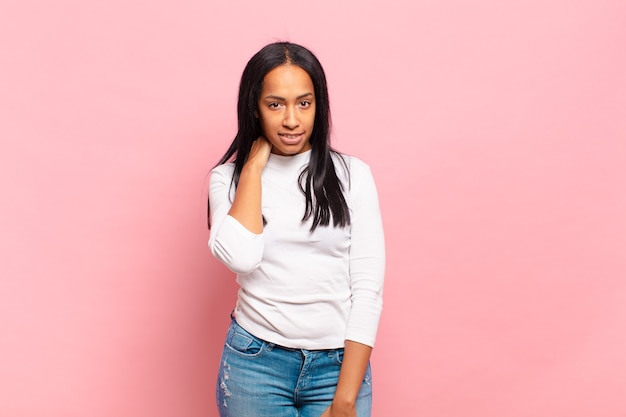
column 234, row 245
column 367, row 256
column 301, row 288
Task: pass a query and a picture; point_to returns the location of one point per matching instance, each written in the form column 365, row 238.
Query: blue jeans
column 261, row 379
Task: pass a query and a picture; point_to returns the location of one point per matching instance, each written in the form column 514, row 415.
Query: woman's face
column 287, row 109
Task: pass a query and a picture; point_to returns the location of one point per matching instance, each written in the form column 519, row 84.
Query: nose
column 290, row 120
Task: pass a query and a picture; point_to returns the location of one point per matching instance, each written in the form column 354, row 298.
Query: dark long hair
column 322, row 189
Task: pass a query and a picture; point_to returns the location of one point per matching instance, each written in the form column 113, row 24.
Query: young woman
column 300, row 225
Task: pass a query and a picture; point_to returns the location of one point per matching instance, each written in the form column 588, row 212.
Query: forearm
column 356, row 358
column 246, row 208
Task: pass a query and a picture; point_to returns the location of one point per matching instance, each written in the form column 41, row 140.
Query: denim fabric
column 261, row 379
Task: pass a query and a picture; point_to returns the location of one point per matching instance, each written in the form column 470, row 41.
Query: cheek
column 312, row 115
column 311, row 120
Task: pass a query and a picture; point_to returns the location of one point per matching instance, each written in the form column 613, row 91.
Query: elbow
column 244, row 268
column 242, row 263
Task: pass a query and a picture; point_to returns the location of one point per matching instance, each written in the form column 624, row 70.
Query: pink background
column 495, row 129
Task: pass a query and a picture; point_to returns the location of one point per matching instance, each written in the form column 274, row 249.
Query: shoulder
column 223, row 171
column 353, row 167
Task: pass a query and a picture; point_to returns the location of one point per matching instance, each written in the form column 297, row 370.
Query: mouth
column 291, row 138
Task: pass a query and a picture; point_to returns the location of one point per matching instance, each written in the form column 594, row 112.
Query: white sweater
column 302, row 289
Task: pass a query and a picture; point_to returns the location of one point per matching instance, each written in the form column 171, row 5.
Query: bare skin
column 286, row 109
column 246, row 206
column 355, row 359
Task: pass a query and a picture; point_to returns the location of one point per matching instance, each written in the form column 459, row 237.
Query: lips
column 291, row 138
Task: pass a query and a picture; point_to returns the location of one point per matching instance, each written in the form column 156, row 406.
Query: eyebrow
column 272, row 97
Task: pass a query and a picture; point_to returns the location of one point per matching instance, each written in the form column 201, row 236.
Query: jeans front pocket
column 243, row 342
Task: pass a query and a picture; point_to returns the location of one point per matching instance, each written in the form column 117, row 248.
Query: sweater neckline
column 287, row 161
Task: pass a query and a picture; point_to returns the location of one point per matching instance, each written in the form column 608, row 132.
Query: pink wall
column 496, row 131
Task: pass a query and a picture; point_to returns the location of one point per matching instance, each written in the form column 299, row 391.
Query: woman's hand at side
column 334, row 411
column 356, row 357
column 246, row 208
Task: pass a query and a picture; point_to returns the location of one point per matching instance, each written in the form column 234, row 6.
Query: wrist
column 343, row 403
column 252, row 167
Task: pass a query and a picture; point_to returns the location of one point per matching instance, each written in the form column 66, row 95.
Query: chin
column 289, row 150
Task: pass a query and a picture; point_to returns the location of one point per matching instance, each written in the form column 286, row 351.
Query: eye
column 305, row 104
column 274, row 105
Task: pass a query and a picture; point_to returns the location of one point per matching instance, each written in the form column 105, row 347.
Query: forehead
column 287, row 78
